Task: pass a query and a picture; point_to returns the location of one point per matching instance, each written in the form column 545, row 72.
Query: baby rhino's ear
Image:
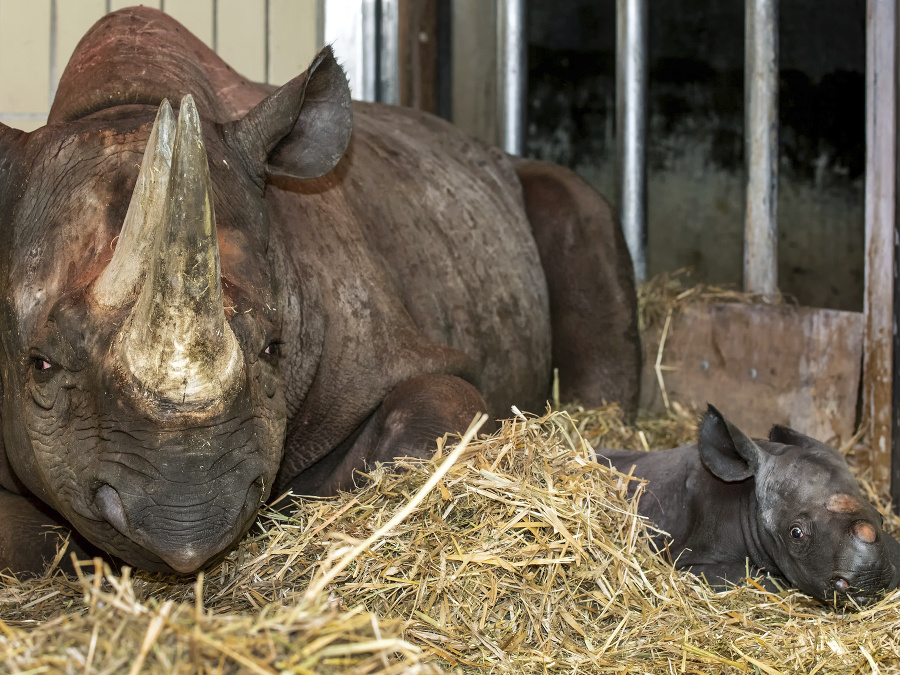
column 787, row 436
column 726, row 450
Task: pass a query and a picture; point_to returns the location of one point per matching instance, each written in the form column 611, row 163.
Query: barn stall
column 521, row 555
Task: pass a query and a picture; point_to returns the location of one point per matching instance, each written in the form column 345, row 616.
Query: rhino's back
column 440, row 216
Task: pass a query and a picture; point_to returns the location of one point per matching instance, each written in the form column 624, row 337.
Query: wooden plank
column 195, row 15
column 762, row 365
column 293, row 37
column 878, row 302
column 474, row 40
column 24, row 122
column 73, row 19
column 24, row 56
column 761, row 147
column 418, row 54
column 121, row 4
column 241, row 36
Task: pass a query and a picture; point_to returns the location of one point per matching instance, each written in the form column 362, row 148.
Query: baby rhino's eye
column 796, row 532
column 40, row 364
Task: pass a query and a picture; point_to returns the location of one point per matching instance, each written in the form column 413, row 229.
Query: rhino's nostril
column 110, row 505
column 841, row 585
column 865, row 532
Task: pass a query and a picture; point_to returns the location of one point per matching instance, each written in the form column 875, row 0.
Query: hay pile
column 666, row 293
column 525, row 557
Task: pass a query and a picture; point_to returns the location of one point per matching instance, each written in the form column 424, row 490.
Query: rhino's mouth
column 866, row 587
column 185, row 538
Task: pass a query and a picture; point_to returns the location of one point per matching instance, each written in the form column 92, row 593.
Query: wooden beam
column 760, row 365
column 761, row 147
column 418, row 54
column 474, row 94
column 878, row 304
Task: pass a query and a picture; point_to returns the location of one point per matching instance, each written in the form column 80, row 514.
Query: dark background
column 695, row 131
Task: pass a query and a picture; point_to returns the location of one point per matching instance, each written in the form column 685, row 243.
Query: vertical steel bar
column 512, row 73
column 389, row 52
column 444, row 69
column 54, row 40
column 320, row 23
column 368, row 50
column 631, row 127
column 881, row 186
column 761, row 146
column 352, row 28
column 895, row 324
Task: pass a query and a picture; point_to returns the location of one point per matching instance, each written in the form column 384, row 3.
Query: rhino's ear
column 8, row 136
column 303, row 128
column 726, row 450
column 787, row 436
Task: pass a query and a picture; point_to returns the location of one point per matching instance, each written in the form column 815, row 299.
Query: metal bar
column 444, row 68
column 895, row 332
column 267, row 14
column 367, row 67
column 350, row 27
column 631, row 127
column 881, row 193
column 389, row 52
column 512, row 74
column 54, row 39
column 761, row 146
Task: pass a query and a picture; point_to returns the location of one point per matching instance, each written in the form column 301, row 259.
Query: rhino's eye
column 272, row 350
column 41, row 365
column 796, row 532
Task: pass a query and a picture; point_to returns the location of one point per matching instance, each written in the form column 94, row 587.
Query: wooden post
column 474, row 85
column 761, row 147
column 417, row 46
column 881, row 115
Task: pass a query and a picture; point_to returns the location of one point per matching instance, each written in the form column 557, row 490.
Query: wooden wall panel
column 293, row 37
column 120, row 4
column 196, row 15
column 32, row 60
column 417, row 54
column 475, row 68
column 241, row 36
column 73, row 18
column 24, row 62
column 761, row 365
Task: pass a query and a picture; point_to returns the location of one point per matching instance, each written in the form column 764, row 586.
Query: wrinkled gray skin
column 789, row 504
column 321, row 301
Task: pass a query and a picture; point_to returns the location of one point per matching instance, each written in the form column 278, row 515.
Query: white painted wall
column 264, row 40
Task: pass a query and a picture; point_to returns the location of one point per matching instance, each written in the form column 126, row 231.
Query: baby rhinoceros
column 789, row 505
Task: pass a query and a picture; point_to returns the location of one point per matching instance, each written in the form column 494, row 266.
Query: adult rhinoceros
column 199, row 314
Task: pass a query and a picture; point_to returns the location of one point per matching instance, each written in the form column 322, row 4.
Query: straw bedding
column 512, row 553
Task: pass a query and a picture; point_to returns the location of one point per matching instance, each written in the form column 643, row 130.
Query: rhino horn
column 119, row 281
column 176, row 345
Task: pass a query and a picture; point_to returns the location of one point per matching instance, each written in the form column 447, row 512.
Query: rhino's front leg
column 406, row 424
column 30, row 534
